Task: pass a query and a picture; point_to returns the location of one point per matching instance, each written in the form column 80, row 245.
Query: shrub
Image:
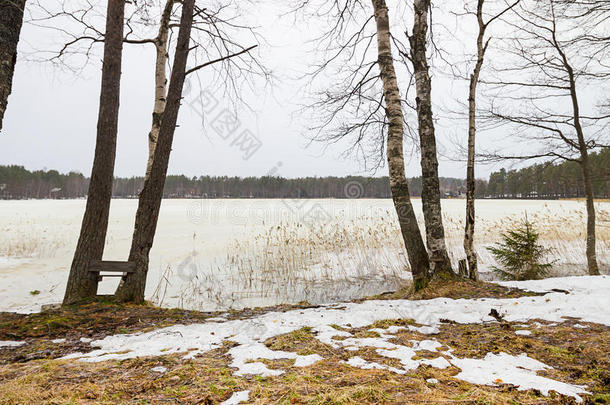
column 519, row 254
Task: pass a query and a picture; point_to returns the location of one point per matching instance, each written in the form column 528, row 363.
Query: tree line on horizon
column 19, row 183
column 551, row 180
column 542, row 180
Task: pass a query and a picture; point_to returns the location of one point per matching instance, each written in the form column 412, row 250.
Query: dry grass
column 208, row 379
column 19, row 244
column 577, row 355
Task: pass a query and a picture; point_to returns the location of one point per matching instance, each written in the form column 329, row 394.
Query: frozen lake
column 216, row 254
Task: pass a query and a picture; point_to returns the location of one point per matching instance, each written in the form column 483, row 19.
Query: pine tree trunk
column 416, row 251
column 11, row 19
column 81, row 282
column 431, row 195
column 133, row 286
column 161, row 43
column 471, row 254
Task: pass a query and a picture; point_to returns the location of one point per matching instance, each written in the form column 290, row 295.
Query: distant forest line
column 545, row 180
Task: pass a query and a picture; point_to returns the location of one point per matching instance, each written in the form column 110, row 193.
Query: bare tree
column 431, row 195
column 81, row 282
column 213, row 34
column 559, row 51
column 210, row 29
column 11, row 19
column 482, row 44
column 133, row 285
column 161, row 54
column 418, row 257
column 364, row 102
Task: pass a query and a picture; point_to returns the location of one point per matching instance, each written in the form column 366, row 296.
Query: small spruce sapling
column 520, row 255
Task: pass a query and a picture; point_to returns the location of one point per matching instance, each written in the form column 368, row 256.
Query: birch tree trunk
column 132, row 287
column 81, row 282
column 11, row 19
column 416, row 251
column 431, row 195
column 160, row 81
column 471, row 254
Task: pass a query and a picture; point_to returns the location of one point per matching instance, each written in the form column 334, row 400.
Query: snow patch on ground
column 492, row 370
column 387, row 349
column 572, row 284
column 243, row 354
column 587, row 299
column 519, row 370
column 237, row 397
column 359, row 362
column 305, row 361
column 523, row 332
column 10, row 343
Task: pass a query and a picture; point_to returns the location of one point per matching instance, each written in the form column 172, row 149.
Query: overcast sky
column 52, row 114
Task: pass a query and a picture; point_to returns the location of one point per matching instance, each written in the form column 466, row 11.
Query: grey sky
column 51, row 117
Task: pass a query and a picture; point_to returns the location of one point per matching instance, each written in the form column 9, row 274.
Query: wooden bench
column 119, row 268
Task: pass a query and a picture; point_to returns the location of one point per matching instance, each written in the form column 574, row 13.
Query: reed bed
column 266, row 252
column 27, row 244
column 345, row 259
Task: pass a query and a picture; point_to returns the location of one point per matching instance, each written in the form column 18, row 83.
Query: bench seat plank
column 97, row 266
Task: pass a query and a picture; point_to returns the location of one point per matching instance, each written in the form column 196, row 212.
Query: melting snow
column 237, row 397
column 523, row 332
column 517, row 370
column 244, row 353
column 359, row 362
column 304, row 361
column 10, row 343
column 492, row 370
column 587, row 299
